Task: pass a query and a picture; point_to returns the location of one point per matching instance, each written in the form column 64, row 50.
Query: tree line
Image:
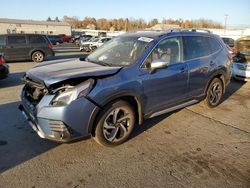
column 134, row 24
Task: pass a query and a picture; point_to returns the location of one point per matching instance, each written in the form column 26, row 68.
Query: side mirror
column 158, row 64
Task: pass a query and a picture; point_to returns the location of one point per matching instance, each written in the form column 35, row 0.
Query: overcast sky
column 238, row 11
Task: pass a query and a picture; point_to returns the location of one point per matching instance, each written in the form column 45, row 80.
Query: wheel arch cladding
column 134, row 101
column 221, row 77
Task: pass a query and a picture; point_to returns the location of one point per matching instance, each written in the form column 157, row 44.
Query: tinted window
column 195, row 46
column 167, row 50
column 16, row 40
column 2, row 40
column 36, row 39
column 214, row 44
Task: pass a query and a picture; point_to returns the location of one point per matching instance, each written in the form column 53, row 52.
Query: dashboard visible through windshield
column 120, row 51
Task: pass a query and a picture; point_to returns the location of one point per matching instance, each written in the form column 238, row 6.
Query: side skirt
column 173, row 108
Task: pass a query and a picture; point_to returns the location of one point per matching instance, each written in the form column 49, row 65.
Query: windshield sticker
column 145, row 39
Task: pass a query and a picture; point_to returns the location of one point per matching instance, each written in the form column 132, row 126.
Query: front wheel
column 214, row 93
column 115, row 124
column 37, row 57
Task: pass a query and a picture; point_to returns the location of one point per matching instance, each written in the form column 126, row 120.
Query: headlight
column 74, row 93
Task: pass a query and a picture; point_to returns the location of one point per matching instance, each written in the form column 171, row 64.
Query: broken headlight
column 72, row 93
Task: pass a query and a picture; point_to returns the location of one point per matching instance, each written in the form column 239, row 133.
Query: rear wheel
column 214, row 93
column 37, row 57
column 115, row 124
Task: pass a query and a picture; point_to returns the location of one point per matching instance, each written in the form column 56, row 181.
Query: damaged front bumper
column 59, row 123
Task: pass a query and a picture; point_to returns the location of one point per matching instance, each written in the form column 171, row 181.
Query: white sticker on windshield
column 145, row 39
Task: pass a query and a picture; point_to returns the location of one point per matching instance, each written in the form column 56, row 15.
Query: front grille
column 57, row 126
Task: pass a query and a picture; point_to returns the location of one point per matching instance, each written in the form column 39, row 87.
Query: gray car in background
column 16, row 47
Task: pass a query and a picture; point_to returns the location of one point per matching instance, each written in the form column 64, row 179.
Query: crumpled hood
column 56, row 71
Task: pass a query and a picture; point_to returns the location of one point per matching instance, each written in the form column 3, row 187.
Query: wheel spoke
column 113, row 134
column 125, row 117
column 107, row 126
column 123, row 129
column 115, row 114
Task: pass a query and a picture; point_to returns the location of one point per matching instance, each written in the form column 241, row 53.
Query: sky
column 238, row 11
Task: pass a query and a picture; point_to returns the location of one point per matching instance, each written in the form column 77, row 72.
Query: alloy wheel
column 116, row 124
column 215, row 93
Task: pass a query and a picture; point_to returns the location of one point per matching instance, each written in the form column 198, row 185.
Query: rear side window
column 214, row 44
column 2, row 40
column 16, row 40
column 36, row 39
column 195, row 47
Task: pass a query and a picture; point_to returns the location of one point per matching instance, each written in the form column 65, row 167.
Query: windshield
column 120, row 51
column 93, row 39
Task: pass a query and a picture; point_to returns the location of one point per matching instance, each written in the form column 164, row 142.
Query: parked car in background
column 93, row 44
column 85, row 45
column 241, row 60
column 133, row 77
column 82, row 38
column 55, row 39
column 4, row 68
column 76, row 36
column 65, row 38
column 17, row 47
column 228, row 41
column 85, row 38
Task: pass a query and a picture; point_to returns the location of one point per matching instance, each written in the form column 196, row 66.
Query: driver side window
column 167, row 50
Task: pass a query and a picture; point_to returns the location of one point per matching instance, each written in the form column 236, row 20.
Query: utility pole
column 225, row 26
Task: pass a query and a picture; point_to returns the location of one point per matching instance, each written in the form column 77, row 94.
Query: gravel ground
column 192, row 147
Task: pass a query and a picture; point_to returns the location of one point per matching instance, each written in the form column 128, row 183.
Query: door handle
column 182, row 70
column 212, row 63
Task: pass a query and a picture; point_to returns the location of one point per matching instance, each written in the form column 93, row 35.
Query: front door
column 165, row 87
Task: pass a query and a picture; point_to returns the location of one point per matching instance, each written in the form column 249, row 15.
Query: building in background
column 31, row 26
column 162, row 27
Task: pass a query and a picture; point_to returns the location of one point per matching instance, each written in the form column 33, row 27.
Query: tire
column 37, row 57
column 114, row 124
column 93, row 48
column 214, row 93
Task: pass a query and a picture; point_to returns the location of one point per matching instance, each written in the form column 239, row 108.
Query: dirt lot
column 193, row 147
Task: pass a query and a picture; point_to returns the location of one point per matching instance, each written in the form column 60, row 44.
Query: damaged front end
column 56, row 112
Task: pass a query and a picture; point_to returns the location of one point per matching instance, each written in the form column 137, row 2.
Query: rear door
column 17, row 47
column 37, row 42
column 201, row 63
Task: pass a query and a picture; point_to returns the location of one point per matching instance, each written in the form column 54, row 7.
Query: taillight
column 230, row 56
column 50, row 46
column 2, row 61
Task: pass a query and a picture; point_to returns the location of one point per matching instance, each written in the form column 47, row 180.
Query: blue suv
column 129, row 79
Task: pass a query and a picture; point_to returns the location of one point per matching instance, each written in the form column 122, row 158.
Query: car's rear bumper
column 50, row 53
column 59, row 123
column 4, row 71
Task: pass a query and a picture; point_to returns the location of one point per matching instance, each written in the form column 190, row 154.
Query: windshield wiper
column 99, row 62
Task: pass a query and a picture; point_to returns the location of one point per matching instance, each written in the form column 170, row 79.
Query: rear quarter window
column 36, row 39
column 213, row 44
column 16, row 40
column 195, row 47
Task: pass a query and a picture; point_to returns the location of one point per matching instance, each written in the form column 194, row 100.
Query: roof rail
column 189, row 30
